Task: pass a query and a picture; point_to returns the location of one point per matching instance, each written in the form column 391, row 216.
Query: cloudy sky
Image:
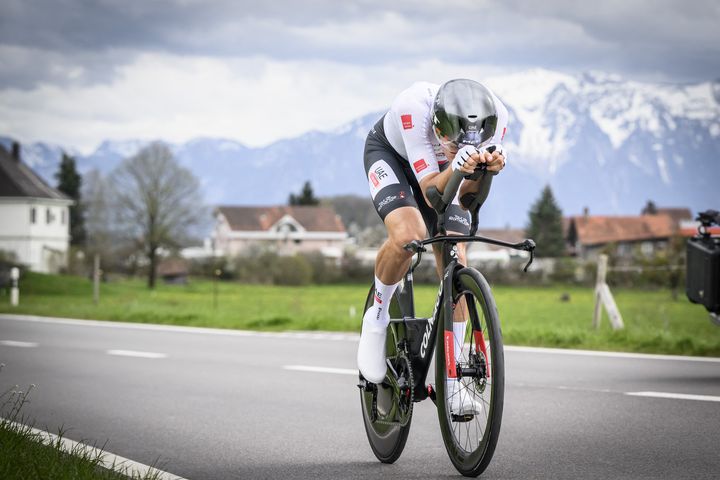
column 76, row 72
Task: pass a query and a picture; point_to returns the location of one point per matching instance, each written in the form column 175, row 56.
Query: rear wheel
column 470, row 438
column 387, row 407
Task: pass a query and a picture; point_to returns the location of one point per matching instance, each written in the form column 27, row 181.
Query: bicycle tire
column 470, row 444
column 387, row 439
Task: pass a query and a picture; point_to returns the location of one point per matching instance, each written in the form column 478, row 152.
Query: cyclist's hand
column 495, row 161
column 466, row 159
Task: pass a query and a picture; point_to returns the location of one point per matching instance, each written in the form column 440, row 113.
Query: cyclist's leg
column 457, row 222
column 393, row 199
column 403, row 225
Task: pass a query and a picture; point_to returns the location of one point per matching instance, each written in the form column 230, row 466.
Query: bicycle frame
column 421, row 352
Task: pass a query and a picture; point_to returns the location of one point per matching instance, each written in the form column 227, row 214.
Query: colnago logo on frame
column 431, row 322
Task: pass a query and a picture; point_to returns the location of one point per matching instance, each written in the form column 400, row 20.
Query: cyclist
column 429, row 131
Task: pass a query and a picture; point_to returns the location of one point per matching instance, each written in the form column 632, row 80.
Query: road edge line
column 108, row 460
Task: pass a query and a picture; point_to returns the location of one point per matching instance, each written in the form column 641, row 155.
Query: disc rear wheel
column 387, row 407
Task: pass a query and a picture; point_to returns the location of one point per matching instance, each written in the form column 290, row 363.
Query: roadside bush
column 256, row 267
column 565, row 271
column 352, row 270
column 294, row 270
column 206, row 267
column 324, row 270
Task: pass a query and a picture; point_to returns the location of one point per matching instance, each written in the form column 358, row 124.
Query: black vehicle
column 387, row 408
column 703, row 266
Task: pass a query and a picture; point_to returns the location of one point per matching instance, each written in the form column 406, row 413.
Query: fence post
column 604, row 297
column 96, row 279
column 14, row 290
column 601, row 270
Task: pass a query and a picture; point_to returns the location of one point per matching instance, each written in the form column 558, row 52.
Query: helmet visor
column 471, row 136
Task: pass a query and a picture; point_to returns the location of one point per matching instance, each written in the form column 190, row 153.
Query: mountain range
column 600, row 141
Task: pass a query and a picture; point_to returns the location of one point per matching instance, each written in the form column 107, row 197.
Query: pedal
column 462, row 418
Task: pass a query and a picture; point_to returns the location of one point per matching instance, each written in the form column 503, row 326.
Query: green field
column 530, row 315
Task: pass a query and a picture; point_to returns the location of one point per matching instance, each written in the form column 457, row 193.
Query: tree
column 649, row 209
column 546, row 225
column 98, row 217
column 70, row 183
column 306, row 196
column 157, row 201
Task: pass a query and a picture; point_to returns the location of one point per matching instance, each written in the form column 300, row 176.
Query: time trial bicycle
column 470, row 437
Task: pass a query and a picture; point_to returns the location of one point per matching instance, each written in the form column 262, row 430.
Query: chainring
column 402, row 393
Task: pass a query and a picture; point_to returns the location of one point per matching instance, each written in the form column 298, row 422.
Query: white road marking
column 133, row 353
column 308, row 368
column 597, row 353
column 333, row 336
column 110, row 461
column 13, row 343
column 676, row 396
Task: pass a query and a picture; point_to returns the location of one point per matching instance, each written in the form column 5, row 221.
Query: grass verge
column 533, row 316
column 25, row 454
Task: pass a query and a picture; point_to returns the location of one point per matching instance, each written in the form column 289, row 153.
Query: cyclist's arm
column 495, row 161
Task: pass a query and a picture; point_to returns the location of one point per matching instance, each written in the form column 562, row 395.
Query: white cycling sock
column 381, row 303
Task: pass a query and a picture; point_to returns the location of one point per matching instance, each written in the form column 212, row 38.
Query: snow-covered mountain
column 600, row 141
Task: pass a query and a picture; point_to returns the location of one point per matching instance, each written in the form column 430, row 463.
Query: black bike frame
column 421, row 353
column 420, row 359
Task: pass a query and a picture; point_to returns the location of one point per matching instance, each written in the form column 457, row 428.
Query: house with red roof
column 586, row 235
column 285, row 229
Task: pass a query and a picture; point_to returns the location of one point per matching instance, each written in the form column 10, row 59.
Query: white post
column 96, row 279
column 14, row 290
column 604, row 297
column 601, row 271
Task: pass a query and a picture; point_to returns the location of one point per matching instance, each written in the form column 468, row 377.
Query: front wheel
column 470, row 407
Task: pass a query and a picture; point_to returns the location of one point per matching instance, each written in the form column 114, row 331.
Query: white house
column 287, row 229
column 34, row 217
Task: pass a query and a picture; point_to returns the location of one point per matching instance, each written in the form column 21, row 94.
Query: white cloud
column 176, row 98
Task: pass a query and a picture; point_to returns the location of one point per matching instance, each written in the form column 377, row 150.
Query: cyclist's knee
column 401, row 236
column 405, row 225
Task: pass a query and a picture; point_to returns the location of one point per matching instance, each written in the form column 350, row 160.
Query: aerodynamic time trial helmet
column 464, row 114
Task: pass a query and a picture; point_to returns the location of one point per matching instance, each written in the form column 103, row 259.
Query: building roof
column 19, row 180
column 596, row 230
column 677, row 214
column 311, row 218
column 172, row 267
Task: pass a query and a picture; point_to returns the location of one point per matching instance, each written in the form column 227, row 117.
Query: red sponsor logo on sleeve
column 420, row 165
column 406, row 121
column 503, row 135
column 374, row 179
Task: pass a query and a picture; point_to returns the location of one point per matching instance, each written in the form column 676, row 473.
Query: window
column 62, row 216
column 32, row 215
column 48, row 216
column 646, row 248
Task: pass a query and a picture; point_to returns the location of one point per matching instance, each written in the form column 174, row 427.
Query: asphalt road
column 223, row 405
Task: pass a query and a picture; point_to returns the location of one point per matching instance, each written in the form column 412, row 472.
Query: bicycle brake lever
column 529, row 245
column 414, row 246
